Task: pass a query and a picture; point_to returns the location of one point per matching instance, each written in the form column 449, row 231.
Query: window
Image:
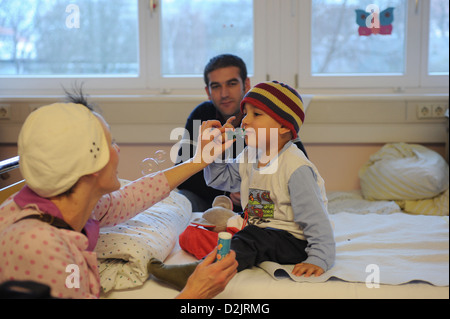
column 193, row 31
column 349, row 48
column 341, row 46
column 126, row 47
column 59, row 38
column 120, row 45
column 438, row 54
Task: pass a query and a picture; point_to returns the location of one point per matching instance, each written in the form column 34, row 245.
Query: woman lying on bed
column 49, row 229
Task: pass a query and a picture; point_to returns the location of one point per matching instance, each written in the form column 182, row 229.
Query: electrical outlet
column 438, row 110
column 431, row 110
column 424, row 111
column 5, row 111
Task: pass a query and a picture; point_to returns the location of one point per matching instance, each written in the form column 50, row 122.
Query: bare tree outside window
column 193, row 31
column 439, row 32
column 100, row 38
column 36, row 38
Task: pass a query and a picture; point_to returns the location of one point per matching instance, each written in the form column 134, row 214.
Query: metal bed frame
column 9, row 164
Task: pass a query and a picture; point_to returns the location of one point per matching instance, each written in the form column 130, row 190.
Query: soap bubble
column 151, row 165
column 160, row 156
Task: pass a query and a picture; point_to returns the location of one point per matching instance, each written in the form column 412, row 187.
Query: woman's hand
column 210, row 278
column 212, row 141
column 210, row 145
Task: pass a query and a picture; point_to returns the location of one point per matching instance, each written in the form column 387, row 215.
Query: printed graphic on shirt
column 260, row 205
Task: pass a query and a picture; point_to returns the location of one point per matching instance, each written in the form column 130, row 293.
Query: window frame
column 149, row 81
column 13, row 85
column 280, row 54
column 397, row 83
column 427, row 80
column 175, row 84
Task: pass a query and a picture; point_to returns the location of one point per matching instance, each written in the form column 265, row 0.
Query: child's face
column 258, row 126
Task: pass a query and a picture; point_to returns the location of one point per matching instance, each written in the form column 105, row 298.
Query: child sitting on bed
column 285, row 216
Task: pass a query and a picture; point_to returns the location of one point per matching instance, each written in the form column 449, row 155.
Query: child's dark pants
column 253, row 245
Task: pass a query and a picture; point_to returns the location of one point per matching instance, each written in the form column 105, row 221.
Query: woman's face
column 108, row 180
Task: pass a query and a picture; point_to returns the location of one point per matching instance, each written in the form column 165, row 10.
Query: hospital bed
column 381, row 252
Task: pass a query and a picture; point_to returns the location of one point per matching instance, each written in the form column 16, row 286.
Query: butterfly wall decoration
column 375, row 22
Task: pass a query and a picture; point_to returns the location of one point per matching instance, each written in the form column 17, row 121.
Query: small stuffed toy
column 201, row 236
column 216, row 218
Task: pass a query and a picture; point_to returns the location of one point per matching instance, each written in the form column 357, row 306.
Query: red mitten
column 198, row 241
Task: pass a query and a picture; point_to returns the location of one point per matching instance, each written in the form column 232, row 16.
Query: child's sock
column 176, row 275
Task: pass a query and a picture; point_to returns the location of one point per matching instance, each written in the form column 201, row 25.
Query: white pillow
column 404, row 172
column 123, row 251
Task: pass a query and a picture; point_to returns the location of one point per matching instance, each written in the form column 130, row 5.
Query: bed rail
column 9, row 164
column 6, row 166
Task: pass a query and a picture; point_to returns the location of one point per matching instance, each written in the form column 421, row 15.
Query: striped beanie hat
column 280, row 101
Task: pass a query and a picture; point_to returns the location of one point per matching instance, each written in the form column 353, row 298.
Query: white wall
column 329, row 118
column 340, row 132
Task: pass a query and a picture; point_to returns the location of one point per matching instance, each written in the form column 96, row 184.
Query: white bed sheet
column 394, row 249
column 256, row 283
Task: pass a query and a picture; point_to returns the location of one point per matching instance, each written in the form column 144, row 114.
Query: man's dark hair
column 223, row 61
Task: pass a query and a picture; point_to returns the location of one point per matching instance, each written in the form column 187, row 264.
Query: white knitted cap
column 58, row 144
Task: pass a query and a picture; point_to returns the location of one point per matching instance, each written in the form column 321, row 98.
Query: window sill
column 330, row 118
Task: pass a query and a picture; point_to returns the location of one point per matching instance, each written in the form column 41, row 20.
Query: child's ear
column 284, row 130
